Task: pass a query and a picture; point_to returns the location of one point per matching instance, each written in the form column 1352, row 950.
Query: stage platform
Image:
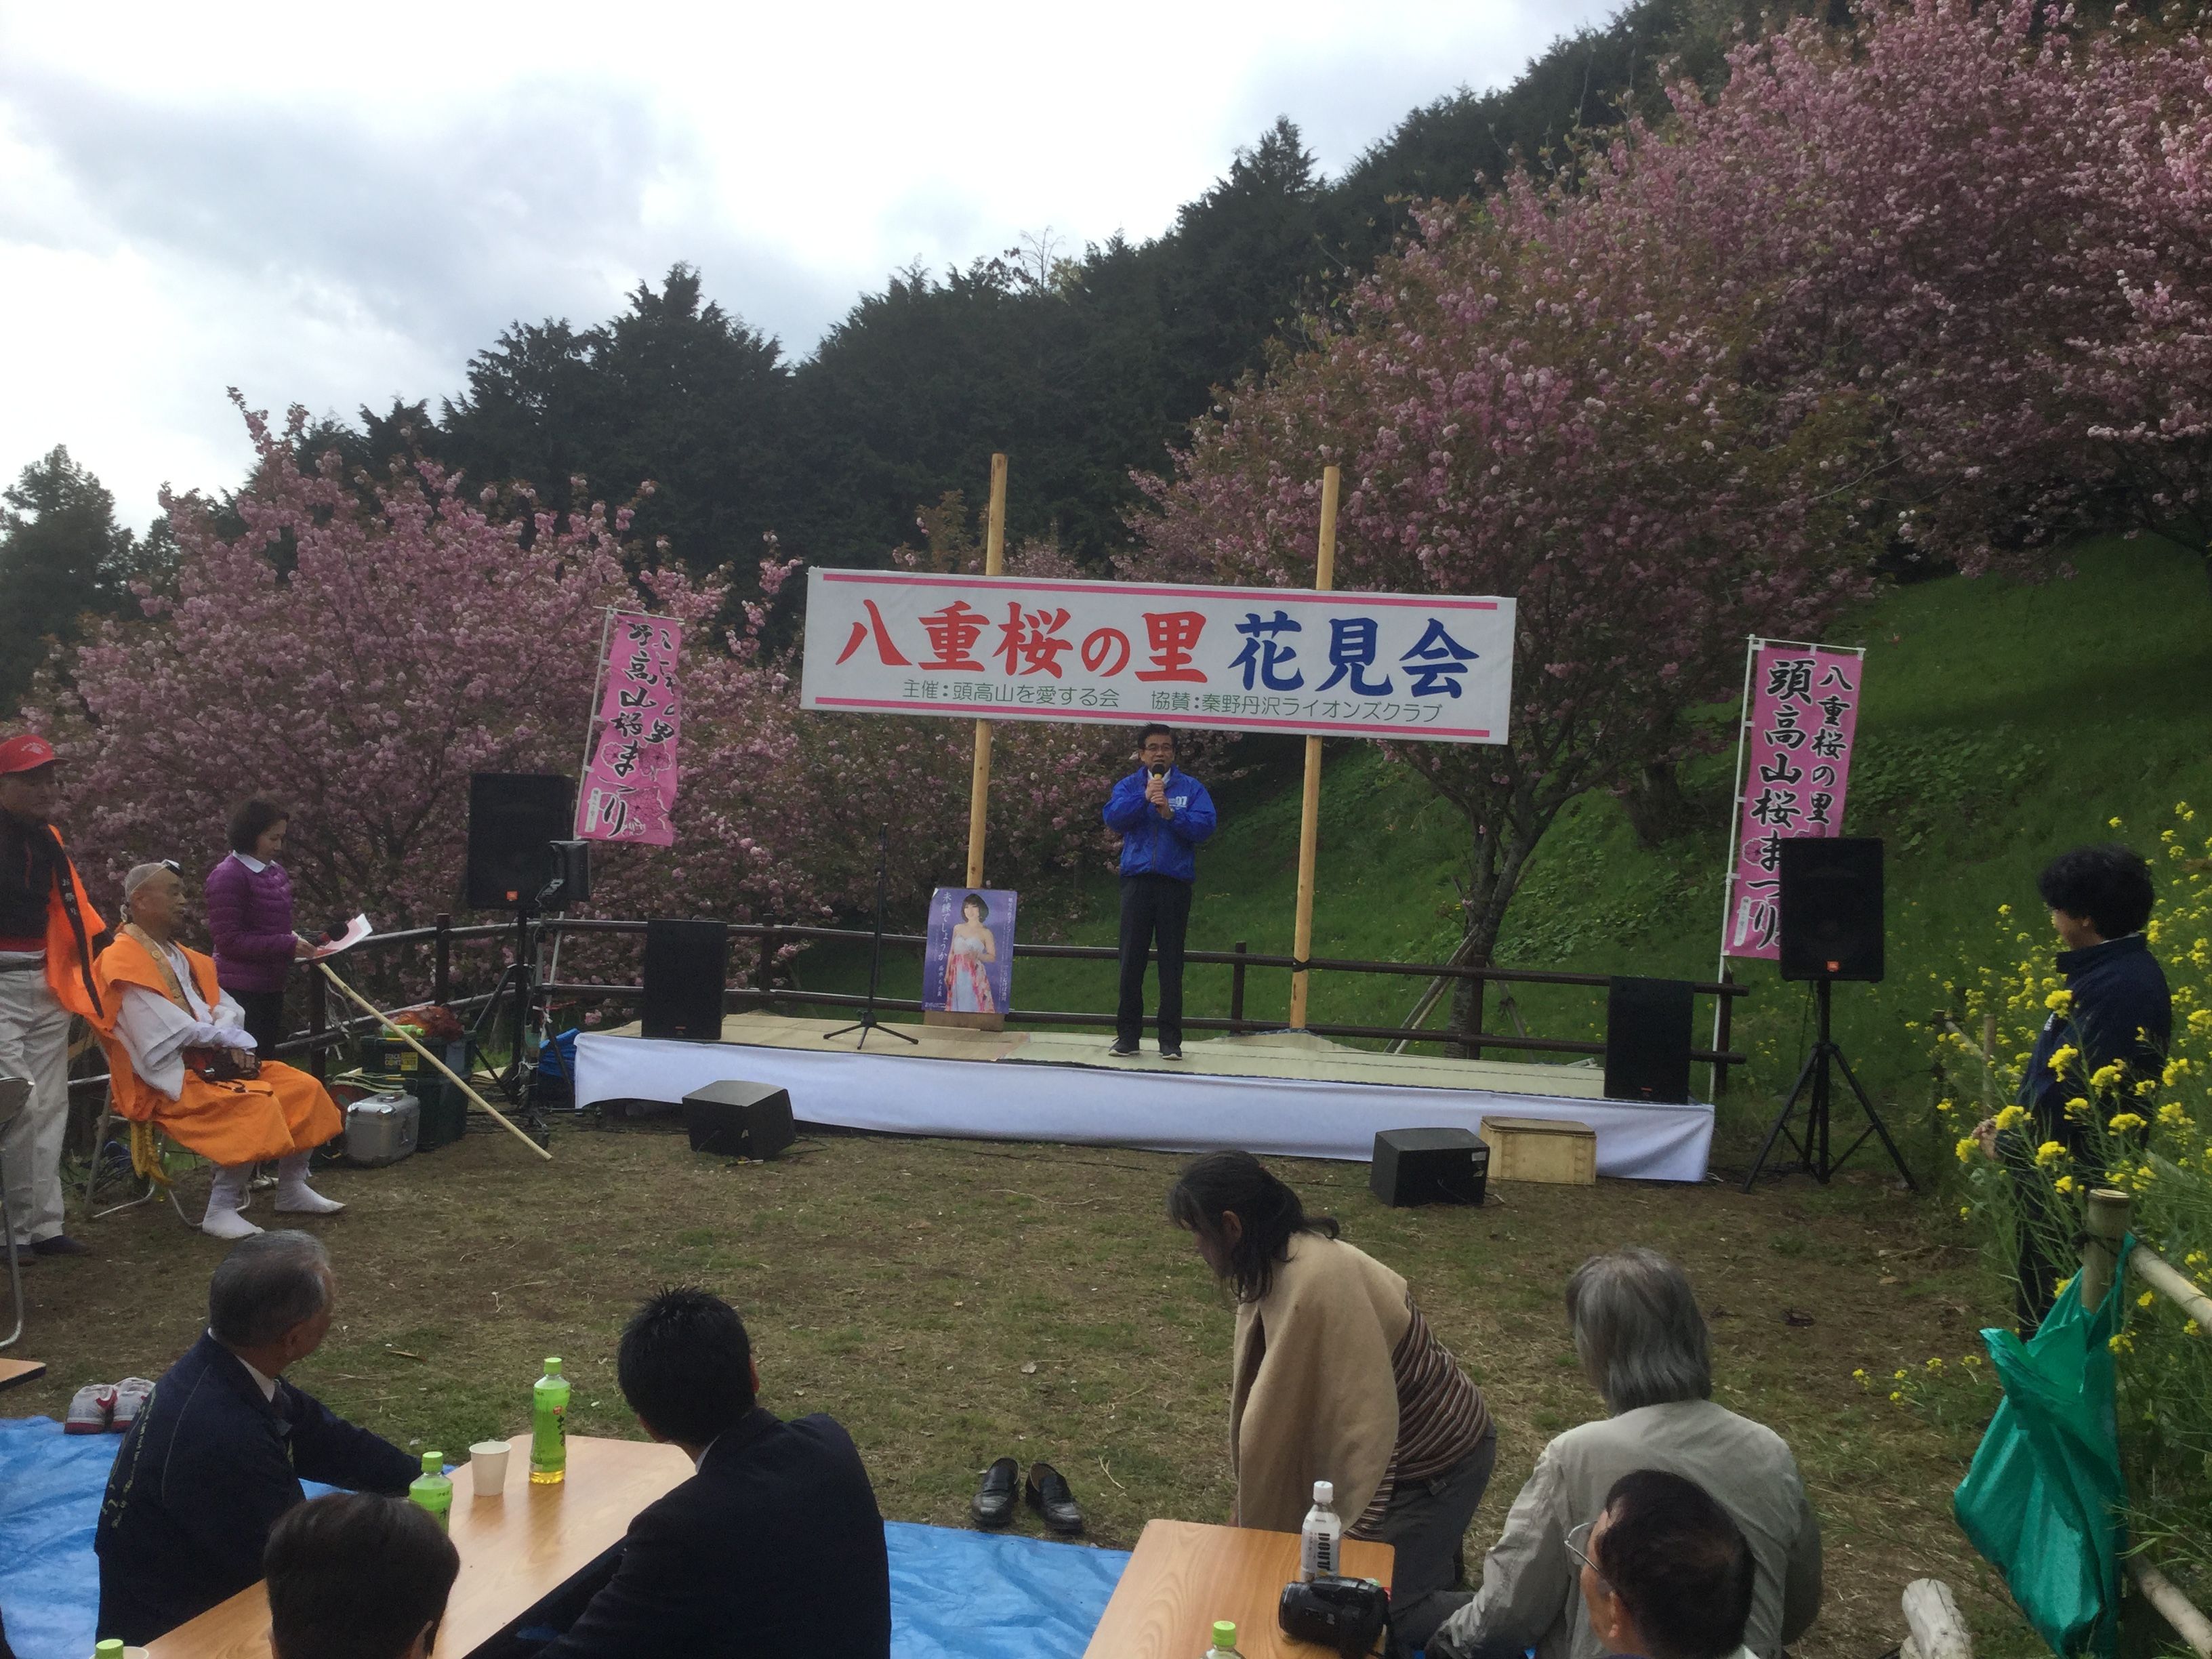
column 1285, row 1092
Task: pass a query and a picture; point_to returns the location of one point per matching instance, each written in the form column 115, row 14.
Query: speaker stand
column 867, row 1021
column 1813, row 1151
column 518, row 1079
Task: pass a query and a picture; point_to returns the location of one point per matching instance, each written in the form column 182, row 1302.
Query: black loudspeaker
column 686, row 963
column 1830, row 908
column 1428, row 1166
column 515, row 818
column 571, row 874
column 1647, row 1040
column 739, row 1120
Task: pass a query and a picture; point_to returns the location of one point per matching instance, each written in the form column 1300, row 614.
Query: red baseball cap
column 25, row 753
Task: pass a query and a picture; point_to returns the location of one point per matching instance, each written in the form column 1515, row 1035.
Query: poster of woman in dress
column 968, row 964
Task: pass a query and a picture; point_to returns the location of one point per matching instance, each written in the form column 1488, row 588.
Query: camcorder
column 1348, row 1615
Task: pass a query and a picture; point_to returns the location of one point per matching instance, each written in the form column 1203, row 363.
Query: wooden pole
column 1309, row 808
column 438, row 1065
column 2105, row 1226
column 979, row 783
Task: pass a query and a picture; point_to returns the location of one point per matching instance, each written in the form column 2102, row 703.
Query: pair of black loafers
column 1044, row 1490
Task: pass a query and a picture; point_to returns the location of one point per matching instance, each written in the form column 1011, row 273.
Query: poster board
column 968, row 957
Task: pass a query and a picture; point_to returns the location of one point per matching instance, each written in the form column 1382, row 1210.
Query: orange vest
column 70, row 971
column 126, row 962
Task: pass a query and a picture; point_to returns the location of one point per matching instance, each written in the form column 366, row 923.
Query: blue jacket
column 1153, row 845
column 208, row 1468
column 2121, row 1011
column 776, row 1546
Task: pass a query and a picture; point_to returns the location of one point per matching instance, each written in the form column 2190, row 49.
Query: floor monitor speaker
column 1647, row 1040
column 686, row 963
column 739, row 1120
column 1428, row 1166
column 1830, row 908
column 515, row 818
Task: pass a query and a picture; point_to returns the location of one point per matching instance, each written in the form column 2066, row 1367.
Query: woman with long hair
column 969, row 958
column 1336, row 1377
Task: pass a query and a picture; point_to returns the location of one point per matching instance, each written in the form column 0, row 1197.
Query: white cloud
column 332, row 211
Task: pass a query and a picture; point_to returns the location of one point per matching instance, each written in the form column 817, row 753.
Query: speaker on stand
column 1831, row 929
column 520, row 858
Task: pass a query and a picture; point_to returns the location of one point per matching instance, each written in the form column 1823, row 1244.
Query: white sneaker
column 227, row 1224
column 304, row 1199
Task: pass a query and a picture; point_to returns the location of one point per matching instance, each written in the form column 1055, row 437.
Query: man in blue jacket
column 215, row 1457
column 1162, row 814
column 2121, row 1013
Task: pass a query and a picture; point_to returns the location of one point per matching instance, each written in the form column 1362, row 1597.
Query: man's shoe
column 1046, row 1491
column 60, row 1245
column 131, row 1397
column 1175, row 1053
column 226, row 1225
column 1124, row 1051
column 91, row 1409
column 994, row 1503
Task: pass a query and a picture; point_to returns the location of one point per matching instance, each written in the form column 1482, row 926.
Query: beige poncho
column 1313, row 1396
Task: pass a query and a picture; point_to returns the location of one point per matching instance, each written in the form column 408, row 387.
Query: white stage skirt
column 1163, row 1111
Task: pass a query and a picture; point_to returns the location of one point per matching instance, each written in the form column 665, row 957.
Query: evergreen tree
column 61, row 556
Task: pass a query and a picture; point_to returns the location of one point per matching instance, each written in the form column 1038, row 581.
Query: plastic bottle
column 1321, row 1539
column 432, row 1491
column 549, row 1427
column 110, row 1648
column 1224, row 1641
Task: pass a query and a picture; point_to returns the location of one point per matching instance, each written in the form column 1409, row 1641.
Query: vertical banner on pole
column 1801, row 717
column 627, row 792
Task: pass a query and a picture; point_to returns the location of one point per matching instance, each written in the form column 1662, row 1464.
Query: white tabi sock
column 294, row 1195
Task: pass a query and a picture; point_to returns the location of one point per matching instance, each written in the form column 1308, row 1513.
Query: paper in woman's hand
column 356, row 930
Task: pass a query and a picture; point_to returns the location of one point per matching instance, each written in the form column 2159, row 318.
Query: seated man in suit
column 220, row 1448
column 352, row 1576
column 776, row 1544
column 178, row 1055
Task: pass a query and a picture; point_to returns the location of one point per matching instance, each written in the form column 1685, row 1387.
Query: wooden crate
column 1553, row 1150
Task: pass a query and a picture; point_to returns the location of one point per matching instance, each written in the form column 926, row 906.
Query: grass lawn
column 951, row 1302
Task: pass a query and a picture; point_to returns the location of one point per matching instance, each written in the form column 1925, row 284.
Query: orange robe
column 280, row 1112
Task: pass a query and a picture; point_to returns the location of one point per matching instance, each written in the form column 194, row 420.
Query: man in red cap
column 47, row 928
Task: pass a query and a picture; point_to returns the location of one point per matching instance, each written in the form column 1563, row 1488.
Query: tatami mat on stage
column 1300, row 1054
column 931, row 1042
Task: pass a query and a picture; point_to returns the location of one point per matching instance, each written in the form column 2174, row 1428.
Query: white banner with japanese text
column 1395, row 665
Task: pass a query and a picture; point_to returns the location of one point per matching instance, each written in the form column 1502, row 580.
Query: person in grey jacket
column 1643, row 1344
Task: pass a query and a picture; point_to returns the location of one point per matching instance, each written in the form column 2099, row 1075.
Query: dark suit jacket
column 776, row 1547
column 202, row 1475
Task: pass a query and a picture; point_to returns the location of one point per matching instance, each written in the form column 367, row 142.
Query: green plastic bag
column 2042, row 1501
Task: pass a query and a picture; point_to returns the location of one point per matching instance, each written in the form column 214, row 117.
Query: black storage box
column 739, row 1120
column 1428, row 1166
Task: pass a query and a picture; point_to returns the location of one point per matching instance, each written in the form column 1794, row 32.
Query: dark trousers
column 264, row 1017
column 1155, row 915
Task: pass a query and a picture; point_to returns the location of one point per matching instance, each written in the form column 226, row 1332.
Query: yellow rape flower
column 1934, row 1363
column 2107, row 1076
column 2112, row 824
column 2059, row 1001
column 2122, row 1123
column 2049, row 1153
column 2176, row 1069
column 2174, row 1114
column 2200, row 1022
column 2078, row 1109
column 2146, row 1298
column 2063, row 1057
column 1966, row 1148
column 2064, row 1183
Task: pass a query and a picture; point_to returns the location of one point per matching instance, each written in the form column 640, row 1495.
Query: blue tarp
column 954, row 1594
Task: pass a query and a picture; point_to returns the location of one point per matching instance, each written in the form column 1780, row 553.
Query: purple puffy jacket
column 249, row 912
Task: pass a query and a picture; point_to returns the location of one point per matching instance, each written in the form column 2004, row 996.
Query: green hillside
column 2001, row 724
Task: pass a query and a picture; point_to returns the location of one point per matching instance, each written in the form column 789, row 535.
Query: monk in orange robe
column 174, row 1039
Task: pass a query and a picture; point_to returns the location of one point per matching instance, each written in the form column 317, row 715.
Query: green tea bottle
column 432, row 1491
column 1224, row 1641
column 549, row 1427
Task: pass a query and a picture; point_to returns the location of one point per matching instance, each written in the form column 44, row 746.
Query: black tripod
column 867, row 1021
column 1813, row 1155
column 518, row 1079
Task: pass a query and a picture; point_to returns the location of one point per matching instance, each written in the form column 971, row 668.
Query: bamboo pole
column 408, row 1037
column 2105, row 1227
column 979, row 783
column 2163, row 1593
column 1310, row 807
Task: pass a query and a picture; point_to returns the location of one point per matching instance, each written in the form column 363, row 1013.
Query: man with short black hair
column 775, row 1546
column 1666, row 1573
column 2120, row 1013
column 1162, row 815
column 217, row 1454
column 354, row 1576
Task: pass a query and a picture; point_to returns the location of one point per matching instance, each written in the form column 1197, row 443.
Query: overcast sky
column 332, row 208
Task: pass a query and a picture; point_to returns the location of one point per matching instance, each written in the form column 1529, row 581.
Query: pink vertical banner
column 628, row 788
column 1801, row 712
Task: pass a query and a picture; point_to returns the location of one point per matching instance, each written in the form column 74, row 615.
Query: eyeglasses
column 1578, row 1542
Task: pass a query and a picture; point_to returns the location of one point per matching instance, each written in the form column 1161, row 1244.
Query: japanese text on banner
column 1803, row 714
column 1402, row 666
column 629, row 791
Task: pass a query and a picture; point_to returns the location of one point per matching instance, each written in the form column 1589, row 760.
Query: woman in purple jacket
column 249, row 912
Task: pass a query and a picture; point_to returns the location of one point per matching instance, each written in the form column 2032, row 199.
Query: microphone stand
column 867, row 1021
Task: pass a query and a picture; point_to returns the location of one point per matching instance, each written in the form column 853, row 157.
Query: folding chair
column 150, row 1151
column 14, row 1095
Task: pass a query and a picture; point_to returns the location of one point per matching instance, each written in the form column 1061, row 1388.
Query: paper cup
column 488, row 1459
